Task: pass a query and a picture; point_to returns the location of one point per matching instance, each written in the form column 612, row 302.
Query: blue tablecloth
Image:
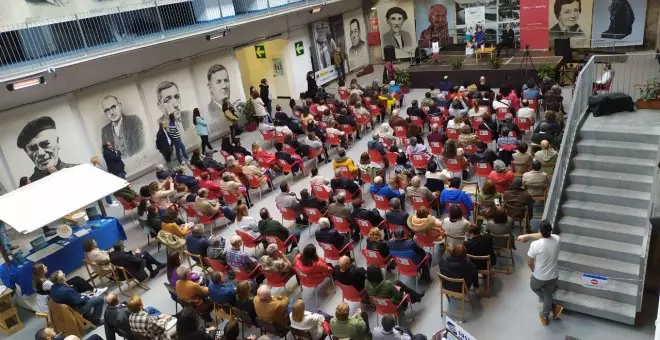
column 107, row 231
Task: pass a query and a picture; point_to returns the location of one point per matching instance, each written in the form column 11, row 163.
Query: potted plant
column 649, row 96
column 545, row 70
column 495, row 62
column 456, row 63
column 247, row 110
column 402, row 78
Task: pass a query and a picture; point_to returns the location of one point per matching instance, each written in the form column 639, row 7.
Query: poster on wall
column 436, row 19
column 534, row 24
column 490, row 14
column 217, row 77
column 356, row 39
column 324, row 43
column 508, row 11
column 171, row 92
column 40, row 139
column 396, row 23
column 571, row 19
column 618, row 23
column 114, row 114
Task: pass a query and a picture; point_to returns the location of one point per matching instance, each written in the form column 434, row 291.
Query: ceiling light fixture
column 316, row 10
column 217, row 35
column 25, row 83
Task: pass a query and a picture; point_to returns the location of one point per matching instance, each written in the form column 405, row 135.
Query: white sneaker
column 114, row 204
column 100, row 291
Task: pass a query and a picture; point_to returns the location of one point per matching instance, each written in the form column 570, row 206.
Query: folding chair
column 271, row 328
column 462, row 296
column 244, row 319
column 503, row 243
column 486, row 273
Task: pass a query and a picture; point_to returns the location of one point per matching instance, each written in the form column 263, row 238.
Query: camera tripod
column 527, row 59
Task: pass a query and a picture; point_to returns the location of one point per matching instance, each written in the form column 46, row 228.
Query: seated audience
column 347, row 273
column 483, row 154
column 181, row 177
column 270, row 227
column 404, row 247
column 467, row 137
column 344, row 162
column 415, row 148
column 417, row 190
column 548, row 157
column 100, row 258
column 220, row 291
column 454, row 194
column 91, row 308
column 525, row 111
column 309, row 263
column 309, row 201
column 192, row 292
column 208, row 162
column 396, row 215
column 535, row 180
column 455, row 225
column 251, row 168
column 237, row 258
column 370, row 168
column 173, row 262
column 161, row 192
column 232, row 185
column 135, row 262
column 435, row 180
column 342, row 183
column 500, row 225
column 303, row 320
column 115, row 319
column 354, row 327
column 389, row 330
column 189, row 327
column 216, row 248
column 270, row 308
column 275, row 261
column 244, row 300
column 173, row 224
column 517, row 201
column 425, row 223
column 378, row 286
column 455, row 264
column 144, row 325
column 385, row 190
column 42, row 284
column 210, row 208
column 521, row 160
column 196, row 159
column 196, row 242
column 209, row 185
column 501, row 176
column 479, row 244
column 373, row 216
column 436, row 135
column 246, row 222
column 318, row 179
column 162, row 173
column 327, row 234
column 295, row 161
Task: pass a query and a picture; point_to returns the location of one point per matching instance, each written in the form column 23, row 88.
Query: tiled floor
column 511, row 313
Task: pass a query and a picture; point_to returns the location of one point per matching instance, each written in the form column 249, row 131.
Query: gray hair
column 395, row 203
column 416, row 182
column 182, row 271
column 499, row 166
column 271, row 249
column 324, row 222
column 58, row 277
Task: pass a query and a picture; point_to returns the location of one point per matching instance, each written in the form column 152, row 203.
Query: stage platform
column 513, row 71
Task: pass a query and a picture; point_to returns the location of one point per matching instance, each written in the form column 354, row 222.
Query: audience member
column 327, row 234
column 354, row 327
column 115, row 319
column 396, row 215
column 188, row 326
column 309, row 201
column 548, row 157
column 91, row 308
column 525, row 111
column 435, row 180
column 190, row 291
column 347, row 273
column 378, row 286
column 288, row 200
column 303, row 320
column 196, row 242
column 181, row 177
column 479, row 244
column 373, row 216
column 535, row 180
column 220, row 291
column 456, row 226
column 375, row 242
column 425, row 223
column 270, row 227
column 271, row 308
column 388, row 330
column 135, row 262
column 517, row 201
column 483, row 154
column 501, row 176
column 246, row 222
column 238, row 259
column 455, row 264
column 245, row 301
column 403, row 247
column 500, row 225
column 521, row 159
column 173, row 224
column 216, row 248
column 144, row 325
column 454, row 194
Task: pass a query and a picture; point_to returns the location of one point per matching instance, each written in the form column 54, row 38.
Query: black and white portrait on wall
column 219, row 86
column 619, row 22
column 571, row 19
column 168, row 97
column 40, row 140
column 508, row 10
column 324, row 43
column 396, row 22
column 356, row 39
column 124, row 131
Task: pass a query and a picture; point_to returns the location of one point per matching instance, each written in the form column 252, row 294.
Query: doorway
column 265, row 60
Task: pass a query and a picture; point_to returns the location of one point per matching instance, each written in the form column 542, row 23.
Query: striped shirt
column 174, row 131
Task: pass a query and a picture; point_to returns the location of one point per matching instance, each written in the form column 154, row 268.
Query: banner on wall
column 217, row 77
column 490, row 22
column 115, row 114
column 571, row 19
column 16, row 12
column 475, row 16
column 396, row 23
column 618, row 23
column 41, row 138
column 435, row 20
column 534, row 24
column 356, row 39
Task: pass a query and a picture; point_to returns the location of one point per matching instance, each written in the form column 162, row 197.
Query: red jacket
column 502, row 180
column 318, row 268
column 210, row 186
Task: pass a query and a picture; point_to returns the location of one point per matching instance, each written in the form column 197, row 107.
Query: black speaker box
column 563, row 48
column 388, row 53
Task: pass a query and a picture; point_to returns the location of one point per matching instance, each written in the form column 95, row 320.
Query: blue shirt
column 64, row 294
column 197, row 245
column 531, row 93
column 384, row 190
column 406, row 249
column 221, row 293
column 394, row 88
column 456, row 196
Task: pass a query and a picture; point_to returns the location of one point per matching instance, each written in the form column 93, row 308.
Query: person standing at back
column 202, row 129
column 174, row 132
column 264, row 93
column 542, row 259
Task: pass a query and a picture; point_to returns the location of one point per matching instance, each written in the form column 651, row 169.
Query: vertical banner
column 534, row 24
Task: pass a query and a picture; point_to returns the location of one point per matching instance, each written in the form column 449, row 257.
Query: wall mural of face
column 219, row 85
column 569, row 14
column 355, row 32
column 169, row 101
column 44, row 149
column 395, row 20
column 112, row 108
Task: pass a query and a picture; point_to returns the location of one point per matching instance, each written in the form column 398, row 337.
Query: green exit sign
column 300, row 50
column 260, row 51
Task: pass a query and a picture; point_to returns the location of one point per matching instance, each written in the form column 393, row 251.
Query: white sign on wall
column 475, row 16
column 595, row 281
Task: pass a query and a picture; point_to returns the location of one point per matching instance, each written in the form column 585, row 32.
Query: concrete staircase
column 603, row 219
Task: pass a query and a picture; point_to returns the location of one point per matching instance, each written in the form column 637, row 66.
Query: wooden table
column 485, row 50
column 10, row 323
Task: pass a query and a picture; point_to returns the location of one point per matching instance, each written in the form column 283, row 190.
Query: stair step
column 630, row 134
column 625, row 165
column 596, row 306
column 609, row 195
column 611, row 179
column 605, row 212
column 618, row 148
column 601, row 229
column 598, row 265
column 620, row 291
column 596, row 246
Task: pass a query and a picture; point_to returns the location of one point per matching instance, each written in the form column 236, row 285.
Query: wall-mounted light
column 217, row 35
column 316, row 10
column 25, row 83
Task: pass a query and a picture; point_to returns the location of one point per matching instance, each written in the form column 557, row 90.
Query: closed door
column 280, row 80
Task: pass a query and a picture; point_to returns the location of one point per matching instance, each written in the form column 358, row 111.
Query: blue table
column 106, row 232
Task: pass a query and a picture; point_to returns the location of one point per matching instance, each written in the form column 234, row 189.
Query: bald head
column 378, row 180
column 263, row 292
column 344, row 263
column 545, row 144
column 111, row 299
column 236, row 242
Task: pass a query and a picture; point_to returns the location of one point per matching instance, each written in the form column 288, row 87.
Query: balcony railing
column 38, row 44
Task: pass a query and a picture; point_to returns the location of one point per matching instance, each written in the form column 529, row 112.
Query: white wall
column 298, row 66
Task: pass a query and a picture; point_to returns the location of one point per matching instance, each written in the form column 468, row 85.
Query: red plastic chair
column 476, row 121
column 286, row 167
column 374, row 110
column 313, row 214
column 394, row 227
column 386, row 307
column 216, row 265
column 452, row 134
column 346, row 128
column 312, row 281
column 436, row 148
column 289, row 149
column 242, row 275
column 275, row 278
column 469, row 149
column 341, row 224
column 229, row 197
column 524, row 124
column 382, row 203
column 349, row 293
column 501, row 113
column 419, row 160
column 206, row 220
column 399, row 132
column 321, row 192
column 387, row 142
column 417, row 121
column 191, row 212
column 215, row 175
column 330, row 252
column 421, row 201
column 345, row 173
column 482, row 169
column 376, row 157
column 365, row 226
column 128, row 206
column 391, row 157
column 435, row 119
column 256, row 183
column 426, row 240
column 366, row 177
column 344, row 95
column 281, row 245
column 279, row 136
column 288, row 214
column 362, row 120
column 407, row 267
column 195, row 170
column 333, row 140
column 453, row 165
column 249, row 241
column 374, row 258
column 485, row 136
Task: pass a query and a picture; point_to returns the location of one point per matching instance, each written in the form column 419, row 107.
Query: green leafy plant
column 495, row 62
column 650, row 90
column 545, row 70
column 456, row 63
column 247, row 110
column 402, row 77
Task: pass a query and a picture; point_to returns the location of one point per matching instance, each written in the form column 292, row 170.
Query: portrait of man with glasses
column 124, row 131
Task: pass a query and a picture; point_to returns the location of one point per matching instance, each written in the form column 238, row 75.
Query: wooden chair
column 222, row 312
column 299, row 334
column 244, row 319
column 499, row 240
column 455, row 237
column 462, row 296
column 110, row 272
column 524, row 221
column 172, row 292
column 70, row 321
column 540, row 198
column 486, row 273
column 271, row 328
column 198, row 261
